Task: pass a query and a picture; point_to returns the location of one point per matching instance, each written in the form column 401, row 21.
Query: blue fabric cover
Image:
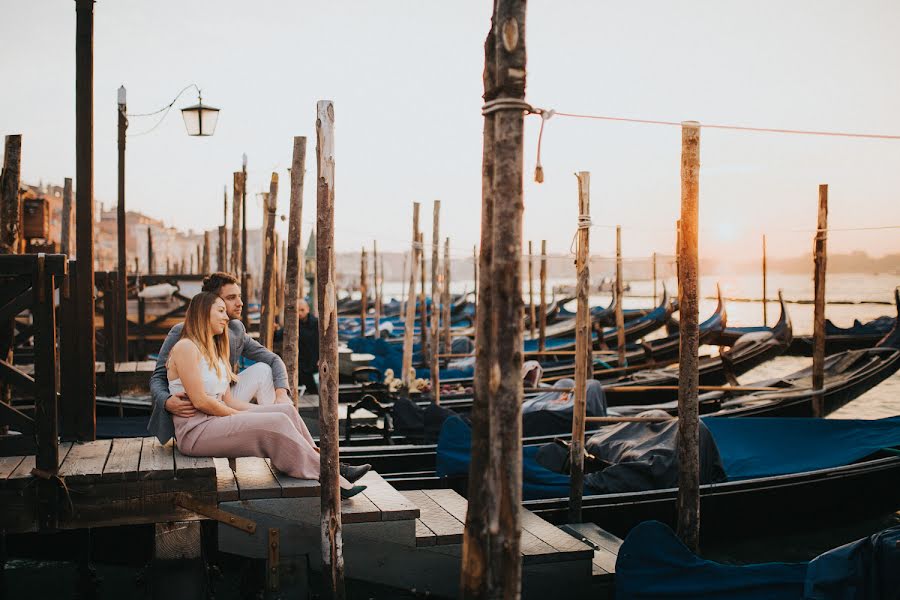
column 762, row 447
column 749, row 447
column 654, row 564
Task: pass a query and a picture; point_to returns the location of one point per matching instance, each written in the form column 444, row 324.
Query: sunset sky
column 405, row 78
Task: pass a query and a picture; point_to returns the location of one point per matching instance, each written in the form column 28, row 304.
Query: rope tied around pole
column 48, row 476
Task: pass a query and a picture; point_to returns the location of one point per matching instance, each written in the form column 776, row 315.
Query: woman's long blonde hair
column 197, row 328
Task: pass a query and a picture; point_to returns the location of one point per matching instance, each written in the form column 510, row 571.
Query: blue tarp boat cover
column 748, row 448
column 654, row 564
column 390, row 356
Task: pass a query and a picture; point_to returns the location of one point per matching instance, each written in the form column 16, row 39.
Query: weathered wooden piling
column 542, row 318
column 620, row 299
column 410, row 320
column 445, row 295
column 10, row 211
column 223, row 233
column 492, row 562
column 765, row 295
column 293, row 276
column 363, row 291
column 236, row 204
column 151, row 258
column 820, row 259
column 245, row 276
column 378, row 275
column 267, row 300
column 84, row 213
column 531, row 312
column 654, row 280
column 65, row 236
column 423, row 307
column 433, row 362
column 204, row 263
column 121, row 292
column 688, row 527
column 583, row 355
column 332, row 553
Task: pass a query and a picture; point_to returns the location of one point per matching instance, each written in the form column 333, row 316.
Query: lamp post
column 199, row 120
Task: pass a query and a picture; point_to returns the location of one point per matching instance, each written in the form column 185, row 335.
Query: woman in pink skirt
column 199, row 365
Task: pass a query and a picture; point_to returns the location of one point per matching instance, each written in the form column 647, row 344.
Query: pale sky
column 405, row 77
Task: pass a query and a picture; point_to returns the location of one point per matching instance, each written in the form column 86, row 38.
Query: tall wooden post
column 433, row 363
column 267, row 302
column 654, row 280
column 84, row 215
column 151, row 258
column 620, row 298
column 445, row 295
column 236, row 204
column 819, row 260
column 501, row 443
column 10, row 238
column 363, row 291
column 542, row 318
column 423, row 307
column 583, row 346
column 332, row 543
column 688, row 306
column 120, row 294
column 410, row 321
column 293, row 276
column 223, row 232
column 378, row 276
column 204, row 263
column 765, row 295
column 10, row 209
column 532, row 314
column 65, row 242
column 245, row 281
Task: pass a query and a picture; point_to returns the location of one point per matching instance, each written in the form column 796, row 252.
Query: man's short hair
column 214, row 281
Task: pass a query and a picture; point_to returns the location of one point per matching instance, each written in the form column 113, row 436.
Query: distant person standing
column 308, row 340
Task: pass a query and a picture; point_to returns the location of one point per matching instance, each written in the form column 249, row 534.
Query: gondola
column 848, row 375
column 860, row 335
column 607, row 315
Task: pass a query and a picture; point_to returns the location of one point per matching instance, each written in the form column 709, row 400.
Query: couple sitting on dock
column 200, row 401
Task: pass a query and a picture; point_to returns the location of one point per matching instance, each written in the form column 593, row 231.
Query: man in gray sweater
column 269, row 365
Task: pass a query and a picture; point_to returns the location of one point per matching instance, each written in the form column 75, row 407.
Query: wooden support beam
column 110, row 323
column 76, row 421
column 410, row 318
column 267, row 302
column 433, row 364
column 120, row 294
column 293, row 276
column 84, row 213
column 46, row 387
column 332, row 541
column 620, row 299
column 820, row 260
column 688, row 506
column 10, row 237
column 583, row 343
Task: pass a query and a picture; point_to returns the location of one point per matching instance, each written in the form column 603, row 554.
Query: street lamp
column 200, row 119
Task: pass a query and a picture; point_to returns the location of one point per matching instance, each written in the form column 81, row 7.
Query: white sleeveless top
column 214, row 385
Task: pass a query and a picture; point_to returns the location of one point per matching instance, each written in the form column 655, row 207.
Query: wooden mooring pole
column 65, row 241
column 819, row 261
column 765, row 296
column 293, row 276
column 378, row 274
column 688, row 527
column 620, row 299
column 542, row 318
column 84, row 216
column 583, row 356
column 236, row 203
column 10, row 235
column 433, row 363
column 363, row 291
column 410, row 318
column 423, row 305
column 204, row 263
column 223, row 232
column 654, row 280
column 332, row 542
column 492, row 561
column 445, row 299
column 245, row 276
column 531, row 312
column 267, row 300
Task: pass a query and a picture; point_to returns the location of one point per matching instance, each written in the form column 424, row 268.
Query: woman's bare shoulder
column 185, row 348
